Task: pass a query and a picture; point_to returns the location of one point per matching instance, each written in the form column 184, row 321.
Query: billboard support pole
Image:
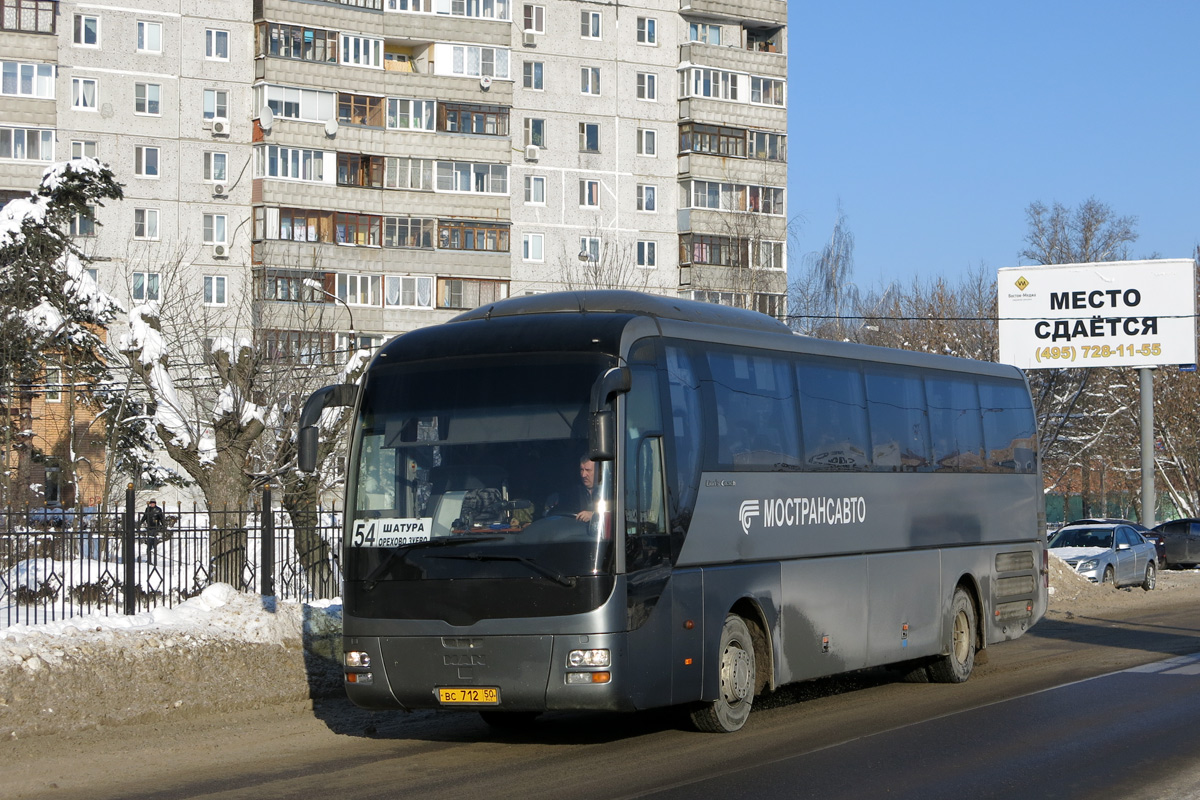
column 1146, row 386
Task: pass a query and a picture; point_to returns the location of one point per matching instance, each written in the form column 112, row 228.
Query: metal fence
column 61, row 563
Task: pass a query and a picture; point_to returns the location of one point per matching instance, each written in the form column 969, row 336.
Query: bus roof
column 612, row 301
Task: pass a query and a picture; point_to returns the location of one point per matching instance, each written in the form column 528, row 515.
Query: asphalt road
column 1077, row 707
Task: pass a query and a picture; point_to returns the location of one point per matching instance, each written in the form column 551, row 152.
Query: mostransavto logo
column 747, row 512
column 784, row 512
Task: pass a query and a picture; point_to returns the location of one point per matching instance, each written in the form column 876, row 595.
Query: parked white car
column 1108, row 553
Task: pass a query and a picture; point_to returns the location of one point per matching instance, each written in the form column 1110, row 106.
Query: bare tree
column 604, row 261
column 826, row 290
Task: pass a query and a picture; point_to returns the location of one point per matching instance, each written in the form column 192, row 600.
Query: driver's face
column 587, row 473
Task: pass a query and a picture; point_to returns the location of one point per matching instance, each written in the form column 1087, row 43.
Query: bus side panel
column 726, row 587
column 905, row 601
column 824, row 617
column 687, row 643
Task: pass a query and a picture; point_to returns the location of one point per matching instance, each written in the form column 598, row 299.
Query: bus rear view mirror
column 308, row 438
column 602, row 433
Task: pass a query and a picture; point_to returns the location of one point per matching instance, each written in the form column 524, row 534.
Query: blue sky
column 936, row 122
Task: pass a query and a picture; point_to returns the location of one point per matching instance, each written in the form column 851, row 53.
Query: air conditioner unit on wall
column 220, row 251
column 219, row 190
column 220, row 127
column 532, row 152
column 530, row 39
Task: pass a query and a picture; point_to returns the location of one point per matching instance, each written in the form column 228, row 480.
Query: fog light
column 362, row 678
column 357, row 658
column 582, row 678
column 588, row 658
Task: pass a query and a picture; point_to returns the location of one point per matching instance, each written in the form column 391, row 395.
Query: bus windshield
column 477, row 468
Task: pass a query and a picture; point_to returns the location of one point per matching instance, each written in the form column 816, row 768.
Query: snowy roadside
column 220, row 650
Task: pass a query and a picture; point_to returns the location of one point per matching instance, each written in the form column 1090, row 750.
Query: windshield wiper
column 557, row 577
column 404, row 548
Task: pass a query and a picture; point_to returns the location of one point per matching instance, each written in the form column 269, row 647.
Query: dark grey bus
column 612, row 501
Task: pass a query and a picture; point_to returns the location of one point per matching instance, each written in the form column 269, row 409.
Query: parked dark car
column 1182, row 540
column 1149, row 535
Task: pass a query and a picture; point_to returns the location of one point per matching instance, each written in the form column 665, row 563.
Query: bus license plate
column 473, row 695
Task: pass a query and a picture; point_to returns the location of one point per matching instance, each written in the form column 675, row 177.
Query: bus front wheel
column 956, row 665
column 729, row 711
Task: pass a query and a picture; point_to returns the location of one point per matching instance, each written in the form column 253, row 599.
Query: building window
column 719, row 196
column 216, row 44
column 215, row 167
column 149, row 37
column 53, row 393
column 535, row 19
column 535, row 190
column 464, row 293
column 27, row 80
column 289, row 163
column 647, row 30
column 647, row 142
column 647, row 254
column 766, row 91
column 416, row 115
column 535, row 132
column 360, row 170
column 358, row 290
column 83, row 223
column 300, row 347
column 216, row 104
column 705, row 34
column 718, row 140
column 769, row 255
column 79, row 149
column 408, row 291
column 712, row 83
column 297, row 42
column 647, row 86
column 462, row 235
column 409, row 173
column 145, row 161
column 589, row 248
column 471, row 118
column 532, row 245
column 773, row 305
column 214, row 290
column 362, row 51
column 145, row 287
column 589, row 193
column 768, row 146
column 409, row 232
column 589, row 80
column 533, row 71
column 85, row 94
column 589, row 24
column 214, row 229
column 147, row 99
column 290, row 102
column 26, row 144
column 87, row 29
column 647, row 197
column 145, row 223
column 717, row 251
column 477, row 62
column 29, row 16
column 456, row 176
column 357, row 230
column 589, row 137
column 360, row 109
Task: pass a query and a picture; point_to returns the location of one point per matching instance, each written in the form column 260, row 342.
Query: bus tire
column 729, row 711
column 956, row 665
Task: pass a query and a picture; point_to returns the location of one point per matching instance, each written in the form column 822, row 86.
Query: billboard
column 1107, row 314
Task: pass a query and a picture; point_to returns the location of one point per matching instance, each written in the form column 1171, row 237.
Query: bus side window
column 1009, row 430
column 954, row 423
column 686, row 430
column 756, row 397
column 899, row 423
column 833, row 416
column 645, row 506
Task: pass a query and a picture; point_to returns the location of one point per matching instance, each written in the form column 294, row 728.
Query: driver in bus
column 580, row 502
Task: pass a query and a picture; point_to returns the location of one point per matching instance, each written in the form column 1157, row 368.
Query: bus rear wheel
column 956, row 665
column 729, row 711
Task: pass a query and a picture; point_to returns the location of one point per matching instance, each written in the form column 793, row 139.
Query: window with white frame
column 647, row 142
column 408, row 291
column 216, row 44
column 647, row 86
column 535, row 132
column 535, row 19
column 532, row 75
column 480, row 9
column 478, row 62
column 289, row 163
column 411, row 115
column 87, row 30
column 712, row 83
column 647, row 30
column 27, row 80
column 85, row 94
column 216, row 104
column 291, row 102
column 589, row 193
column 768, row 146
column 535, row 190
column 767, row 91
column 589, row 248
column 361, row 51
column 145, row 287
column 704, row 33
column 647, row 254
column 145, row 223
column 589, row 24
column 81, row 148
column 408, row 173
column 647, row 197
column 461, row 176
column 589, row 80
column 532, row 246
column 215, row 165
column 409, row 232
column 147, row 99
column 54, row 386
column 145, row 161
column 214, row 229
column 358, row 290
column 410, row 6
column 149, row 37
column 214, row 290
column 26, row 144
column 768, row 255
column 589, row 137
column 83, row 223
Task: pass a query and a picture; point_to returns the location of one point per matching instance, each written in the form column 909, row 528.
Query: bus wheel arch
column 963, row 636
column 764, row 658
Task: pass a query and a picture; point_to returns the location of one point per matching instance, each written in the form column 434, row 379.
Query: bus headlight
column 357, row 658
column 588, row 658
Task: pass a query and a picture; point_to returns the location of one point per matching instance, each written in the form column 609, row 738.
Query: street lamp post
column 316, row 285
